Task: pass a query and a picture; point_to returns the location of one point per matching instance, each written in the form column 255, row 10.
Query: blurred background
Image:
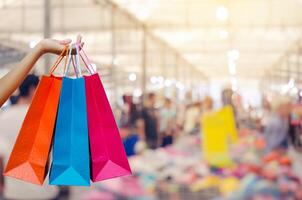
column 206, row 93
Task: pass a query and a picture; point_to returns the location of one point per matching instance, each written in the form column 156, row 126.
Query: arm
column 10, row 82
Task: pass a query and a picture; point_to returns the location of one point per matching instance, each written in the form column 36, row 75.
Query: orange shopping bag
column 29, row 158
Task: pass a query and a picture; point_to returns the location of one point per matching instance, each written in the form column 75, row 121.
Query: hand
column 57, row 46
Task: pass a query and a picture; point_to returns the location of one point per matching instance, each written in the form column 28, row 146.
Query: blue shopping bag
column 70, row 165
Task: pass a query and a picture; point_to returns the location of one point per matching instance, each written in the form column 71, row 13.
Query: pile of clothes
column 179, row 171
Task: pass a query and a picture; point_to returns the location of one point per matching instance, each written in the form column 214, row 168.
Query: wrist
column 39, row 48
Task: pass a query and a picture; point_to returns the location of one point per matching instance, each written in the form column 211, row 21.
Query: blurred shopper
column 10, row 82
column 129, row 113
column 129, row 138
column 27, row 90
column 266, row 110
column 227, row 96
column 192, row 118
column 167, row 123
column 134, row 113
column 133, row 142
column 11, row 121
column 277, row 128
column 149, row 115
column 207, row 104
column 130, row 125
column 124, row 114
column 141, row 145
column 295, row 131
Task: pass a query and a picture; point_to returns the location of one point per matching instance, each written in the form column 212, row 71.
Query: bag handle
column 86, row 61
column 77, row 60
column 60, row 58
column 76, row 65
column 70, row 59
column 78, row 55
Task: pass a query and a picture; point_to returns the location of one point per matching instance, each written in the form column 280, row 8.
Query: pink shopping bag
column 108, row 157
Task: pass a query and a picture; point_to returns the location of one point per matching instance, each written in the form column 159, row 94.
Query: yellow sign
column 219, row 131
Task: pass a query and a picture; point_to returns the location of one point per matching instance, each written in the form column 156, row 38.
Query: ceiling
column 261, row 31
column 249, row 37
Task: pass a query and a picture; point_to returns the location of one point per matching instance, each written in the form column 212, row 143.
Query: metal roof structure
column 190, row 41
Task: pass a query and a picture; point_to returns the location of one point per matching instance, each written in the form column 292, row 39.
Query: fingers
column 78, row 42
column 79, row 39
column 65, row 42
column 81, row 46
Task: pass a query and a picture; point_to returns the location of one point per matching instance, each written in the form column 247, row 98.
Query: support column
column 288, row 67
column 298, row 66
column 176, row 73
column 113, row 53
column 144, row 63
column 47, row 31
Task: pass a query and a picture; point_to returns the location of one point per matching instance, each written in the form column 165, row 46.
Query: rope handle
column 86, row 60
column 70, row 60
column 59, row 59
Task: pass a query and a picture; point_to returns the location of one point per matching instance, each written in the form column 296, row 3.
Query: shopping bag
column 29, row 158
column 218, row 132
column 70, row 165
column 108, row 157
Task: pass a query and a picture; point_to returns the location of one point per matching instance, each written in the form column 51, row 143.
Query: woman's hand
column 10, row 82
column 56, row 46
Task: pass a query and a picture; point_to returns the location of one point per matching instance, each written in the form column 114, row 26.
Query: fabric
column 276, row 132
column 129, row 144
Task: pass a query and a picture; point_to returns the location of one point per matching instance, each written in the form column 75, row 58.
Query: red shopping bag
column 108, row 157
column 29, row 158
